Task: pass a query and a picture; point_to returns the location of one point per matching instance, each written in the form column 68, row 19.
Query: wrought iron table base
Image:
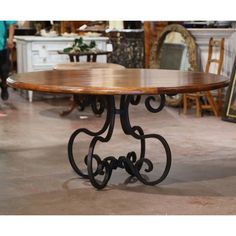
column 131, row 163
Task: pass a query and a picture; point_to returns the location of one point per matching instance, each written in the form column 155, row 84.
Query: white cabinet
column 35, row 53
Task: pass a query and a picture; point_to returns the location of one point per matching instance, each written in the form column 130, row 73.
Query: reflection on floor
column 36, row 178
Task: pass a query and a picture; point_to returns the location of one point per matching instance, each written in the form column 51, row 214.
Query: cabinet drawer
column 50, row 46
column 51, row 58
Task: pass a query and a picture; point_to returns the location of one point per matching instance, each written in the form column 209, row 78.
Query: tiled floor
column 36, row 178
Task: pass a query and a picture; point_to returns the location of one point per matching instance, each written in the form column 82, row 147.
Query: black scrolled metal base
column 131, row 162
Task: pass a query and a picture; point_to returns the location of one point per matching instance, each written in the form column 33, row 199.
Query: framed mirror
column 175, row 49
column 229, row 113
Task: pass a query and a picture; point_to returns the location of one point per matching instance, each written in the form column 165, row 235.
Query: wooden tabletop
column 121, row 81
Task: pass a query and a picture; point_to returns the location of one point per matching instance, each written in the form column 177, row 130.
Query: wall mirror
column 175, row 49
column 229, row 113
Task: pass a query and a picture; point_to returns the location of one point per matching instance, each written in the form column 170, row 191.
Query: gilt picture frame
column 229, row 112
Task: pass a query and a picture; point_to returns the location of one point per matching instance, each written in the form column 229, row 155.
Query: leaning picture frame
column 229, row 112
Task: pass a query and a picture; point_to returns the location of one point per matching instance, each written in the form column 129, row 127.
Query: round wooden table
column 130, row 84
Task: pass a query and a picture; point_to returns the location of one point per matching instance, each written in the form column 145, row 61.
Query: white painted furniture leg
column 30, row 95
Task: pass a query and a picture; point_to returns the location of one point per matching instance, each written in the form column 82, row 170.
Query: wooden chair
column 205, row 100
column 81, row 101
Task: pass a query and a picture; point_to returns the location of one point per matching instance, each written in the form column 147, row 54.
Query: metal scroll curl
column 152, row 98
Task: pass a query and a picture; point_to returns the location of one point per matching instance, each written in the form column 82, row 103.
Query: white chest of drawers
column 35, row 53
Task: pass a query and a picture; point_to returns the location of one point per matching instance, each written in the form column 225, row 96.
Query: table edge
column 116, row 91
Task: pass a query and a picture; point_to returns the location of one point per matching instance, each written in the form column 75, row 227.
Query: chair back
column 215, row 45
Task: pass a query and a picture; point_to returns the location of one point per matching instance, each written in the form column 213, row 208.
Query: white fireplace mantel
column 202, row 37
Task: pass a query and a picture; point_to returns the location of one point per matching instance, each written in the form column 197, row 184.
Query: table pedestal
column 102, row 168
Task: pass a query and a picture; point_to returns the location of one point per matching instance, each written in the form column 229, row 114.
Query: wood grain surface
column 114, row 82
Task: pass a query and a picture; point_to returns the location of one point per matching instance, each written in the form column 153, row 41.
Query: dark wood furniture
column 91, row 56
column 152, row 30
column 130, row 84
